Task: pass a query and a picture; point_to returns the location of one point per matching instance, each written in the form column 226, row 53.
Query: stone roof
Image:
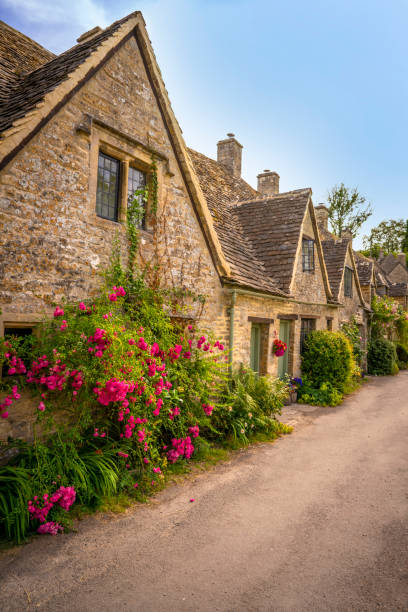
column 223, row 192
column 19, row 55
column 335, row 252
column 22, row 92
column 273, row 226
column 398, row 289
column 364, row 268
column 380, row 276
column 388, row 263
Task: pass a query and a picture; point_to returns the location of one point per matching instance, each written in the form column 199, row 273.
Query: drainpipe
column 231, row 334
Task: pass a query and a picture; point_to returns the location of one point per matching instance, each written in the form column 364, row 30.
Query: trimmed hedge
column 381, row 357
column 327, row 358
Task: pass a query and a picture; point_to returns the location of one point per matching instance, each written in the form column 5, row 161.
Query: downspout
column 231, row 332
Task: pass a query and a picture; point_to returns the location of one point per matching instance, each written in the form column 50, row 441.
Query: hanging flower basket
column 279, row 347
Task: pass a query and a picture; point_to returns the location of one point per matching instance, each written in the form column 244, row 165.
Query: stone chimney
column 268, row 183
column 347, row 234
column 89, row 34
column 401, row 257
column 322, row 216
column 229, row 154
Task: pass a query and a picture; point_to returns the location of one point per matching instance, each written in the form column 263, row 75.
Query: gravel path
column 316, row 521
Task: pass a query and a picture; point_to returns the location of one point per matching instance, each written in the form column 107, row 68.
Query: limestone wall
column 53, row 244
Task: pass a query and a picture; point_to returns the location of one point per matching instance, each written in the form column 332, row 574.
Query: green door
column 255, row 356
column 283, row 362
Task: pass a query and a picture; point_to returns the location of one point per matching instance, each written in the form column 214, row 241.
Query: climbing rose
column 82, row 306
column 58, row 312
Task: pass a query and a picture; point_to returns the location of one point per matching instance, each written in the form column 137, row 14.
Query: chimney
column 89, row 34
column 401, row 257
column 322, row 216
column 229, row 154
column 268, row 183
column 347, row 234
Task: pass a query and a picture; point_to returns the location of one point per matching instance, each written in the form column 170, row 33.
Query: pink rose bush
column 137, row 392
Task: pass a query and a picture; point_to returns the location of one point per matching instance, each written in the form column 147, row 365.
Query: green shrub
column 402, row 365
column 249, row 403
column 327, row 358
column 394, row 368
column 381, row 357
column 402, row 352
column 324, row 395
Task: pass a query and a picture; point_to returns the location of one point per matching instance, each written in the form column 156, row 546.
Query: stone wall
column 54, row 245
column 308, row 286
column 248, row 307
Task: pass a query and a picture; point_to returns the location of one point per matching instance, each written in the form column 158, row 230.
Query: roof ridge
column 266, row 198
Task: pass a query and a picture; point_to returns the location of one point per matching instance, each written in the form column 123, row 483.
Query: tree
column 388, row 235
column 346, row 209
column 404, row 243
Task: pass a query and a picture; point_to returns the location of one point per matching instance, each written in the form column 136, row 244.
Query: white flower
column 246, row 424
column 230, row 408
column 242, row 431
column 250, row 415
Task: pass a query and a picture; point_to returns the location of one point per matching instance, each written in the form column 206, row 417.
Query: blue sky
column 316, row 90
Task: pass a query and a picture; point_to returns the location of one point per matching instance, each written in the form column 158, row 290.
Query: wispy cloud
column 57, row 24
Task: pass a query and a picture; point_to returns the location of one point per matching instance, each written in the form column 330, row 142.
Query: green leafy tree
column 388, row 235
column 347, row 210
column 404, row 243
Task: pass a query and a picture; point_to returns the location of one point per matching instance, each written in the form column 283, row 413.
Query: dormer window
column 348, row 282
column 308, row 264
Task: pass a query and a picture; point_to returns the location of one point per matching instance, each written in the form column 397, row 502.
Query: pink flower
column 106, row 316
column 4, row 415
column 120, row 291
column 136, row 485
column 157, row 470
column 63, row 326
column 81, row 306
column 124, row 455
column 113, row 297
column 192, row 499
column 41, row 406
column 58, row 312
column 51, row 527
column 145, row 460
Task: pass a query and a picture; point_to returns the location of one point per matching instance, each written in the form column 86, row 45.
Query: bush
column 327, row 358
column 381, row 357
column 249, row 403
column 394, row 369
column 402, row 352
column 325, row 395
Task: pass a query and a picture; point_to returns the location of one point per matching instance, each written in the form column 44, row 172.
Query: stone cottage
column 79, row 133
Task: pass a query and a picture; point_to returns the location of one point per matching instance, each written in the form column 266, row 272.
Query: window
column 136, row 182
column 330, row 324
column 308, row 255
column 24, row 336
column 348, row 282
column 306, row 326
column 107, row 191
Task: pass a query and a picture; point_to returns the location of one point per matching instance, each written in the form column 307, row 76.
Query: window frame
column 119, row 177
column 348, row 281
column 308, row 255
column 311, row 325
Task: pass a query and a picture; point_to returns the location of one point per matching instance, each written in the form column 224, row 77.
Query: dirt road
column 316, row 521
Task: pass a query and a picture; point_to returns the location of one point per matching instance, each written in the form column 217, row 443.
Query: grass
column 207, row 456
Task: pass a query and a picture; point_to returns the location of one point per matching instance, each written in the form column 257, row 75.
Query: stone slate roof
column 21, row 93
column 388, row 263
column 364, row 268
column 273, row 226
column 398, row 289
column 18, row 56
column 335, row 252
column 380, row 276
column 223, row 192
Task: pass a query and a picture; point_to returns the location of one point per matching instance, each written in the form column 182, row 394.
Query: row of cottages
column 78, row 135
